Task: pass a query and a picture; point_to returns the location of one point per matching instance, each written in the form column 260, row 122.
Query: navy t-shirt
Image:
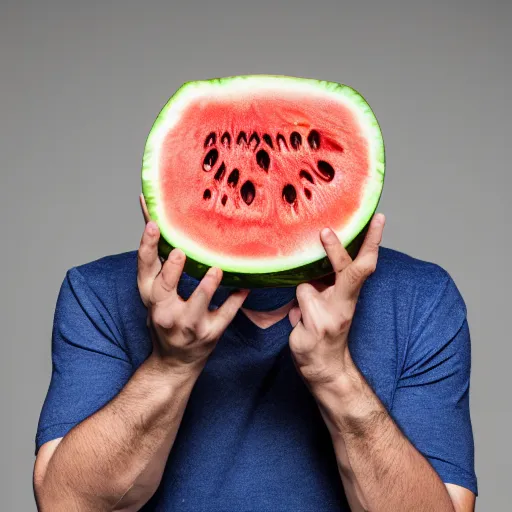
column 252, row 438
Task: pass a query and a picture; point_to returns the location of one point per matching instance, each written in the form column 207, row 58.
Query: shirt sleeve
column 89, row 363
column 431, row 402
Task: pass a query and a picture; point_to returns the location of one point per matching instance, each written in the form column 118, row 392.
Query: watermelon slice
column 243, row 172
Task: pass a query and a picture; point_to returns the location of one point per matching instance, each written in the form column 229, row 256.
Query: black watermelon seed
column 306, row 175
column 226, row 139
column 262, row 159
column 210, row 159
column 325, row 170
column 248, row 192
column 254, row 141
column 314, row 139
column 242, row 137
column 220, row 172
column 268, row 140
column 224, row 200
column 295, row 140
column 233, row 178
column 307, row 193
column 289, row 194
column 281, row 141
column 210, row 140
column 207, row 194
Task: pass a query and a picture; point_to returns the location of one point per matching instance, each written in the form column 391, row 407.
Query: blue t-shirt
column 252, row 437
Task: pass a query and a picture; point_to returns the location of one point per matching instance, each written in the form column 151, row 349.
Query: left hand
column 322, row 319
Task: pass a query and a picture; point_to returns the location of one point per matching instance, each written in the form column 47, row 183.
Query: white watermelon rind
column 171, row 113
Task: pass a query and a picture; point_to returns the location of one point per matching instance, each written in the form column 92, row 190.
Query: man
column 167, row 394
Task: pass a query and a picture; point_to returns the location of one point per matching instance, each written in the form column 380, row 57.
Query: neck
column 264, row 319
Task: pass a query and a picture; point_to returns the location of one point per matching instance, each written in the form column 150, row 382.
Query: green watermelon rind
column 315, row 270
column 257, row 272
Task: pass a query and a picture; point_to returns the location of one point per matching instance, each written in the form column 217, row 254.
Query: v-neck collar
column 261, row 337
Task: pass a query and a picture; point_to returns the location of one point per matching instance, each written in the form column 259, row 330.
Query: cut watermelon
column 243, row 172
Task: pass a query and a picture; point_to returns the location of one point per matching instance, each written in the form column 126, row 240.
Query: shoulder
column 108, row 269
column 423, row 293
column 400, row 266
column 429, row 302
column 410, row 276
column 105, row 284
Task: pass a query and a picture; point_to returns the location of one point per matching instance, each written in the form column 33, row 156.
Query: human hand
column 321, row 321
column 184, row 332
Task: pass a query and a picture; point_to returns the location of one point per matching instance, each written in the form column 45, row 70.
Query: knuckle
column 302, row 291
column 333, row 326
column 142, row 257
column 165, row 279
column 355, row 274
column 166, row 270
column 144, row 295
column 160, row 317
column 151, row 299
column 301, row 345
column 294, row 337
column 202, row 332
column 187, row 325
column 165, row 287
column 224, row 316
column 200, row 292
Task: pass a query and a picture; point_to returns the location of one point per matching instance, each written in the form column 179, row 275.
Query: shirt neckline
column 261, row 337
column 247, row 331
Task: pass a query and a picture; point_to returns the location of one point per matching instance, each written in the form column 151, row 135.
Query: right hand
column 184, row 332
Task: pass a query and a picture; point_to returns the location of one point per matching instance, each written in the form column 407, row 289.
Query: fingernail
column 176, row 255
column 327, row 235
column 212, row 271
column 379, row 218
column 152, row 228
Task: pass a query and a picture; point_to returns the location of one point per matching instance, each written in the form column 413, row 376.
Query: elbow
column 54, row 496
column 136, row 496
column 48, row 500
column 41, row 495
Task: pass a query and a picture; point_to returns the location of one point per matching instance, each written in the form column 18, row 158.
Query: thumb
column 295, row 315
column 225, row 314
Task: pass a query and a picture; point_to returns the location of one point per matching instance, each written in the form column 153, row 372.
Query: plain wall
column 82, row 81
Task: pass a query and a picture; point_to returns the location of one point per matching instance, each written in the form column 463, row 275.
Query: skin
column 379, row 468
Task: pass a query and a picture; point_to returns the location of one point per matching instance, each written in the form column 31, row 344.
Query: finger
column 198, row 302
column 294, row 315
column 144, row 208
column 224, row 315
column 365, row 263
column 306, row 295
column 167, row 280
column 337, row 254
column 148, row 262
column 300, row 341
column 373, row 237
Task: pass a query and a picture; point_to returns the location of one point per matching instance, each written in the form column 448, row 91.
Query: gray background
column 81, row 83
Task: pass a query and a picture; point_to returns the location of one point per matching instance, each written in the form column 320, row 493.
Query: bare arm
column 114, row 460
column 380, row 469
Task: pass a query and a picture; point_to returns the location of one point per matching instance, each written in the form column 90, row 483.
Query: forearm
column 380, row 469
column 113, row 458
